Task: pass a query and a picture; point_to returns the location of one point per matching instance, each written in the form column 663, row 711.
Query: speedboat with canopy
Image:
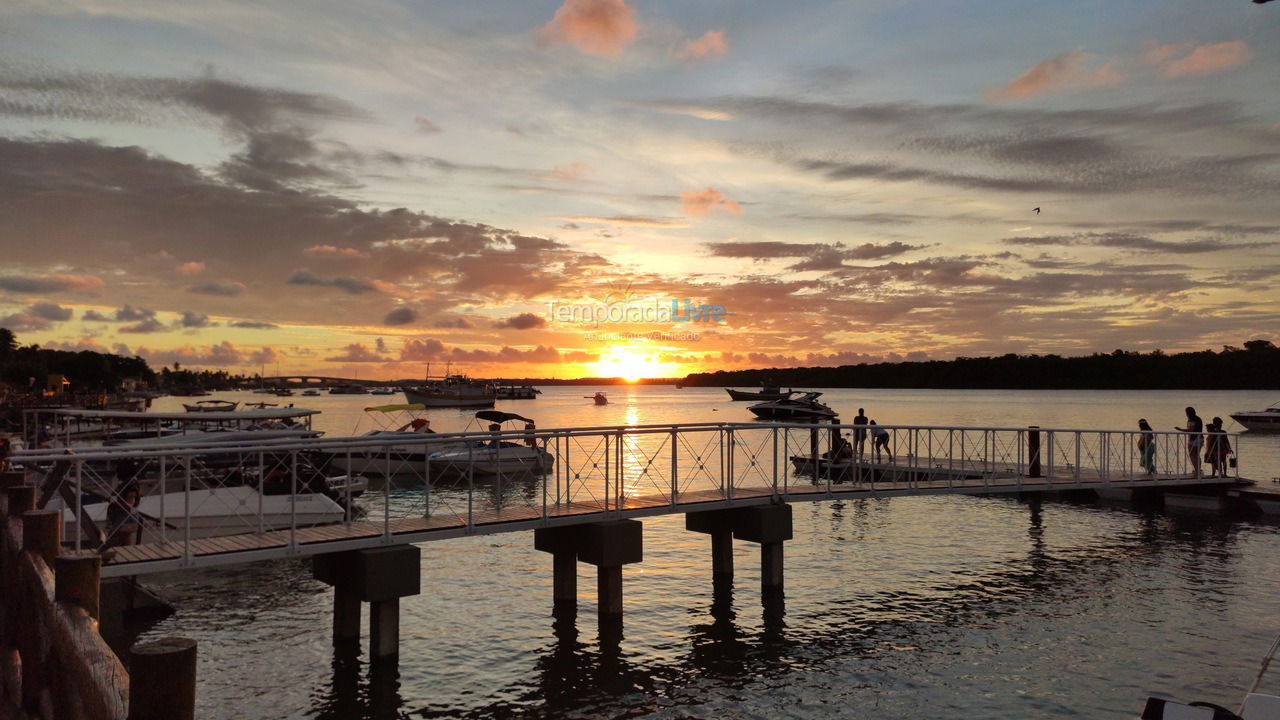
column 495, row 456
column 805, row 408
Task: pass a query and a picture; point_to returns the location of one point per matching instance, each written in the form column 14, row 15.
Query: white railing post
column 675, row 468
column 262, row 489
column 79, row 528
column 186, row 510
column 293, row 502
column 774, row 432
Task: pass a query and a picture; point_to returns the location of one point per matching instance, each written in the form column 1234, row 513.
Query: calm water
column 904, row 608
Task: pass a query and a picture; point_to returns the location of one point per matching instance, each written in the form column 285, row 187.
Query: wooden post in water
column 564, row 583
column 42, row 534
column 21, row 499
column 77, row 580
column 162, row 680
column 722, row 555
column 1033, row 452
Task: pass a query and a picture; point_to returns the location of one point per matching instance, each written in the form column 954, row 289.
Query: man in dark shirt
column 860, row 435
column 1195, row 438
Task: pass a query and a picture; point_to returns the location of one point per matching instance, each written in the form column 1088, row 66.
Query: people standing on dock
column 1147, row 446
column 1219, row 447
column 880, row 439
column 1195, row 438
column 122, row 524
column 860, row 435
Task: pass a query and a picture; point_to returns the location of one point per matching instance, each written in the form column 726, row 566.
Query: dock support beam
column 378, row 576
column 608, row 546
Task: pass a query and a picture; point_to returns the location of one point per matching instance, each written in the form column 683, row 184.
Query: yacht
column 516, row 392
column 1259, row 420
column 348, row 390
column 457, row 391
column 805, row 408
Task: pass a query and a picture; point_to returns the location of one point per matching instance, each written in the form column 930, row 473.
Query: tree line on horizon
column 1256, row 365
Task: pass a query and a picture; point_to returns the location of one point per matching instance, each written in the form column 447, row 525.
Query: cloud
column 402, row 315
column 603, row 28
column 424, row 125
column 149, row 325
column 458, row 323
column 637, row 220
column 50, row 311
column 819, row 256
column 357, row 353
column 1073, row 70
column 355, row 286
column 94, row 316
column 711, row 45
column 222, row 289
column 431, row 350
column 36, row 316
column 190, row 269
column 1131, row 241
column 252, row 325
column 191, row 319
column 129, row 313
column 223, row 354
column 50, row 283
column 523, row 321
column 332, row 251
column 700, row 202
column 264, row 355
column 1181, row 60
column 572, row 171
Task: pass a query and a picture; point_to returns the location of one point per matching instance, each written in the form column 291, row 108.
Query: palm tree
column 8, row 343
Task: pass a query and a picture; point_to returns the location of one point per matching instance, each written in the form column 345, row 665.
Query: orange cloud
column 573, row 170
column 595, row 27
column 1190, row 60
column 1068, row 71
column 712, row 44
column 190, row 269
column 332, row 251
column 701, row 202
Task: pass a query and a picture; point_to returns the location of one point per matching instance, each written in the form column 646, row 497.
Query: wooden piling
column 42, row 534
column 77, row 580
column 162, row 680
column 20, row 499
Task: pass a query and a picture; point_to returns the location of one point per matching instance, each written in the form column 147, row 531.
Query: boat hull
column 448, row 400
column 1258, row 422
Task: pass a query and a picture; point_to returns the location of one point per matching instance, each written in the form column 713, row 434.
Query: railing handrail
column 196, row 447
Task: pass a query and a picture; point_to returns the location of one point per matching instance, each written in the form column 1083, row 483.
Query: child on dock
column 1147, row 446
column 1219, row 447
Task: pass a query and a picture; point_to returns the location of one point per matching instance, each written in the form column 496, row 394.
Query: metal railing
column 179, row 504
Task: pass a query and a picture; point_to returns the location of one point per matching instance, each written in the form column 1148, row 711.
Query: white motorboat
column 216, row 512
column 805, row 408
column 212, row 406
column 396, row 423
column 383, row 391
column 496, row 456
column 310, row 392
column 456, row 391
column 1259, row 420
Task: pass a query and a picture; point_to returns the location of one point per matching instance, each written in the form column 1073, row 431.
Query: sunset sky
column 365, row 187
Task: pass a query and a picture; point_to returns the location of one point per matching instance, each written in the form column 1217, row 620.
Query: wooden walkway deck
column 885, row 481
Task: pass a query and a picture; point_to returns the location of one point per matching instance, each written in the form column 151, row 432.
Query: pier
column 584, row 497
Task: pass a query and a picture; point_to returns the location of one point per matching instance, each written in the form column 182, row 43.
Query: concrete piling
column 768, row 525
column 607, row 545
column 378, row 576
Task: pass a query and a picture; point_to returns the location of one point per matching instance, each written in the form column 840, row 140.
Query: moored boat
column 765, row 393
column 1259, row 420
column 805, row 408
column 212, row 406
column 453, row 391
